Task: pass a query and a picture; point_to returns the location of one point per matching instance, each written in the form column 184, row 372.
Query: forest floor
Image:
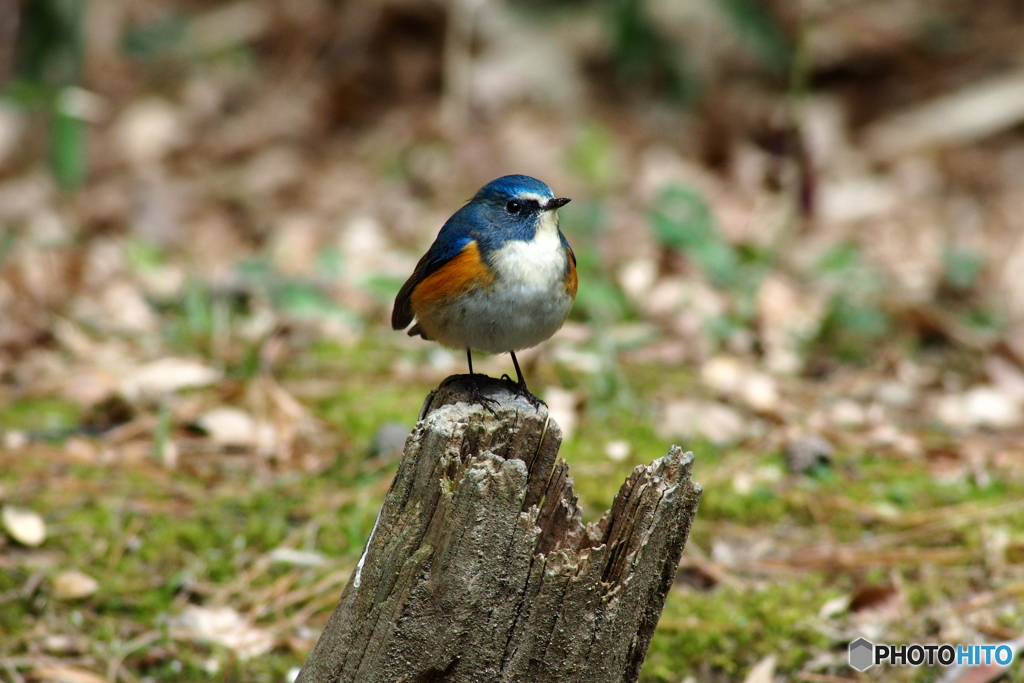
column 818, row 292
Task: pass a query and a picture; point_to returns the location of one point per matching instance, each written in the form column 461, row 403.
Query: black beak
column 556, row 203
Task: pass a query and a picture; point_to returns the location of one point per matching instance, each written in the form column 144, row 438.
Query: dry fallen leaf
column 727, row 376
column 125, row 309
column 167, row 375
column 224, row 626
column 975, row 112
column 760, row 392
column 1006, row 377
column 874, row 607
column 722, row 374
column 58, row 673
column 981, row 406
column 762, row 672
column 617, row 450
column 837, row 605
column 229, row 426
column 64, row 644
column 147, row 130
column 299, row 558
column 636, row 278
column 745, row 481
column 89, row 387
column 847, row 414
column 74, row 585
column 691, row 419
column 788, row 317
column 857, row 198
column 24, row 526
column 296, row 244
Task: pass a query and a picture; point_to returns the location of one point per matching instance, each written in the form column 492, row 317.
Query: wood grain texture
column 479, row 568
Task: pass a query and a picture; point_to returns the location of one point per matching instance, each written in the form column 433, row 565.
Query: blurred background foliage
column 800, row 243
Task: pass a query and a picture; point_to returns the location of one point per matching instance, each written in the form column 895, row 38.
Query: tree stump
column 479, row 569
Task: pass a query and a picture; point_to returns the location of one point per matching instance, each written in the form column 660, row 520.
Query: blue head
column 516, row 205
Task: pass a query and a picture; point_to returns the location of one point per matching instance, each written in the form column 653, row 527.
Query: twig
column 695, row 557
column 926, row 522
column 320, row 588
column 115, row 665
column 979, row 601
column 13, row 672
column 134, row 527
column 259, row 566
column 849, row 557
column 303, row 615
column 261, row 605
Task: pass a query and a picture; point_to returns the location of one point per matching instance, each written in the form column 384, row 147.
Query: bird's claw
column 521, row 390
column 486, row 402
column 534, row 401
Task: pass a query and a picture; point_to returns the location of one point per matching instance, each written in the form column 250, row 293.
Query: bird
column 500, row 276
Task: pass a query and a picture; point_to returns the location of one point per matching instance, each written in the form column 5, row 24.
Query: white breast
column 539, row 263
column 525, row 305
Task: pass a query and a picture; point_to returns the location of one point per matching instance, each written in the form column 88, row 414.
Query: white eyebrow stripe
column 540, row 199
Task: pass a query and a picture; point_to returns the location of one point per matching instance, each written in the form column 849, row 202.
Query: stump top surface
column 469, row 389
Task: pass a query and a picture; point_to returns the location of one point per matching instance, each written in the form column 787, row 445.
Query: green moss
column 728, row 630
column 596, row 476
column 348, row 532
column 760, row 506
column 45, row 416
column 152, row 539
column 358, row 410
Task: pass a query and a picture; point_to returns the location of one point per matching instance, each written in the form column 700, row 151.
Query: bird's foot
column 534, row 400
column 486, row 402
column 521, row 390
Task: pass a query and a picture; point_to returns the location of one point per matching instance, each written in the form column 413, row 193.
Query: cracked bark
column 479, row 568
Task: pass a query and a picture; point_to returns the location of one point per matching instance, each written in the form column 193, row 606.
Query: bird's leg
column 521, row 384
column 478, row 397
column 520, row 380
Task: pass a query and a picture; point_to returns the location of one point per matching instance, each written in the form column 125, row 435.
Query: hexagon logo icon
column 862, row 653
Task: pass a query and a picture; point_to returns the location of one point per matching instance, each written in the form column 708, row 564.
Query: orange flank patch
column 461, row 274
column 571, row 281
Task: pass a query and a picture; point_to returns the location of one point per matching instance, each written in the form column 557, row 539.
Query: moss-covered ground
column 791, row 565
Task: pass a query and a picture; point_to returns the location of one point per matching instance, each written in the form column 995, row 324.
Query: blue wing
column 450, row 242
column 565, row 243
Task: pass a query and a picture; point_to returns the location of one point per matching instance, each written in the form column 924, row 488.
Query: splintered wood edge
column 636, row 507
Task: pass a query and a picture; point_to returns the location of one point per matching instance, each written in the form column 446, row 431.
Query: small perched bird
column 500, row 277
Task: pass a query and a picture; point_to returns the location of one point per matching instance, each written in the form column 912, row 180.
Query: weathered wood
column 479, row 568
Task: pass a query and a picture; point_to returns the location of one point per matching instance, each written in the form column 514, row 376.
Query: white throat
column 541, row 262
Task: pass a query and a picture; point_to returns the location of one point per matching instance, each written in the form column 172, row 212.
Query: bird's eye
column 512, row 206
